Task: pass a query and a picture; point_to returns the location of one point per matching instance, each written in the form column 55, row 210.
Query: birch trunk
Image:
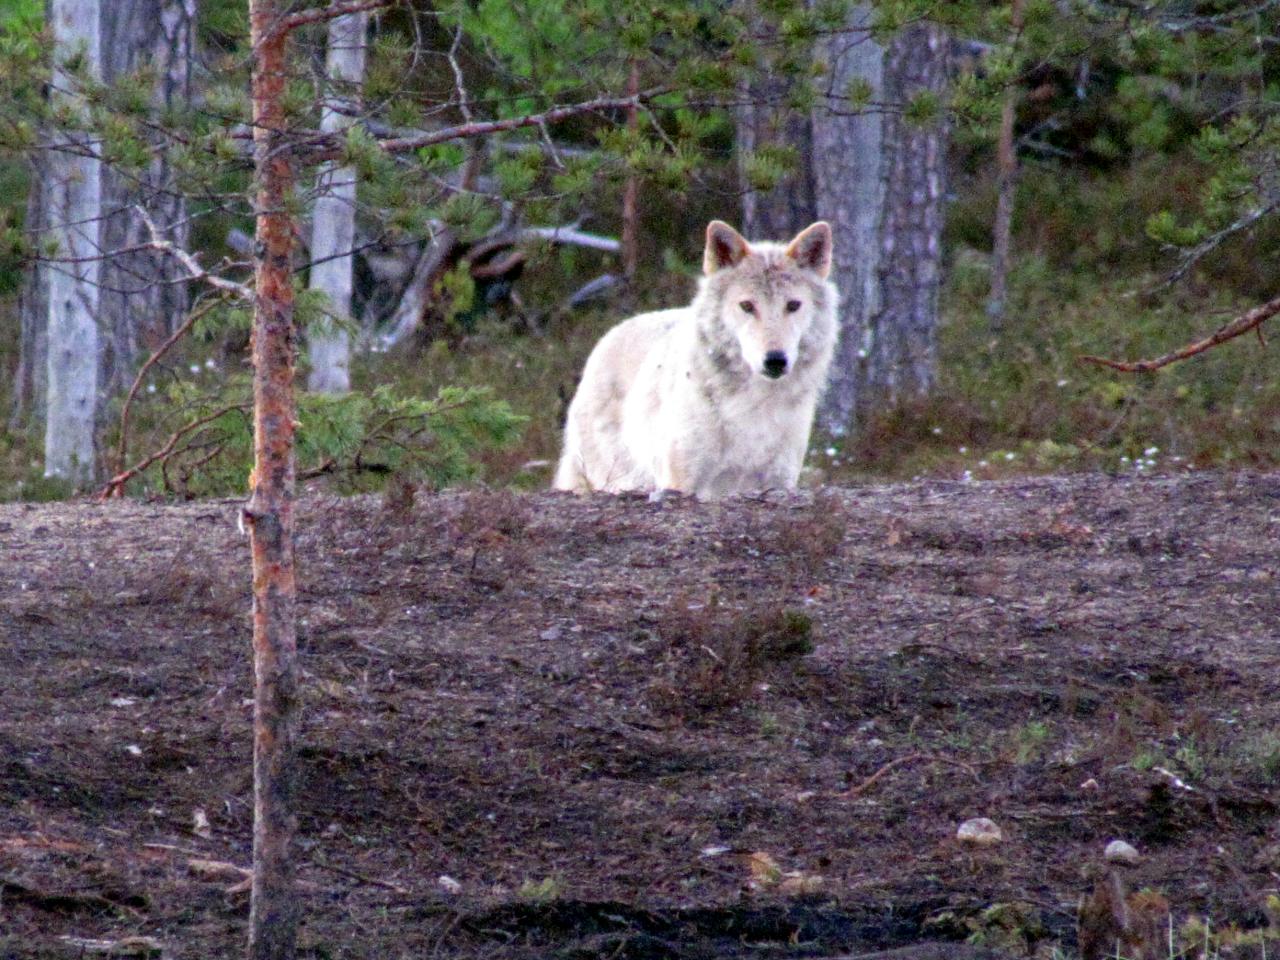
column 334, row 219
column 273, row 911
column 75, row 209
column 143, row 298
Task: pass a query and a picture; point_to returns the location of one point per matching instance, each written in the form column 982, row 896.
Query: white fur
column 679, row 399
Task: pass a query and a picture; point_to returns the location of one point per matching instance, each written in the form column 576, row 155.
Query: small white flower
column 831, row 451
column 151, row 388
column 1063, row 383
column 982, row 463
column 195, row 368
column 937, row 431
column 963, row 450
column 1151, row 451
column 211, row 364
column 1010, row 455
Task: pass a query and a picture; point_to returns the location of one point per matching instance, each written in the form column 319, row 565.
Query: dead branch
column 1242, row 324
column 188, row 261
column 872, row 780
column 322, row 14
column 329, row 147
column 117, row 482
column 122, row 448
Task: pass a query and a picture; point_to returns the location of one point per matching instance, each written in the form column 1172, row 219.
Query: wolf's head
column 767, row 295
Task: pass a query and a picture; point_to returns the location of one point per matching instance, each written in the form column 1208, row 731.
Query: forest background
column 1133, row 144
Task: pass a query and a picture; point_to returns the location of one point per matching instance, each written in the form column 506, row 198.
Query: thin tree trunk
column 1007, row 180
column 74, row 216
column 144, row 298
column 273, row 913
column 334, row 221
column 27, row 410
column 631, row 191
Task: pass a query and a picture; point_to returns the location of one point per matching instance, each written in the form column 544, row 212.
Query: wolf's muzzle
column 775, row 364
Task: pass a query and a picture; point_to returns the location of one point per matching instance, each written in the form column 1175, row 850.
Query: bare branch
column 322, row 14
column 188, row 261
column 1237, row 327
column 122, row 447
column 330, row 148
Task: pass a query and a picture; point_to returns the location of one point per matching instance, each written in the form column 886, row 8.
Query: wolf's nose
column 775, row 364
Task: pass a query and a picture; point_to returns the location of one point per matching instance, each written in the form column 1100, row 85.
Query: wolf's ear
column 725, row 247
column 811, row 248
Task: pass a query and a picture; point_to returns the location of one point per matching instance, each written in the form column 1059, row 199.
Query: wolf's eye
column 793, row 306
column 747, row 306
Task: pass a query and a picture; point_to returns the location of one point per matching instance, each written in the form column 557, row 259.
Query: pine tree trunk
column 334, row 218
column 273, row 914
column 75, row 205
column 143, row 298
column 879, row 179
column 902, row 339
column 1007, row 179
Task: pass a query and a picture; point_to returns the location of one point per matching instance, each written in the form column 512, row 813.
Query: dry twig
column 1242, row 324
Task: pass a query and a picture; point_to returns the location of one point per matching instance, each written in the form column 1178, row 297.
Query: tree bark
column 850, row 154
column 903, row 334
column 1006, row 186
column 74, row 212
column 878, row 180
column 273, row 914
column 144, row 298
column 334, row 219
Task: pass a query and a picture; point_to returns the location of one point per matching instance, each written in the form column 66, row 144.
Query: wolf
column 718, row 397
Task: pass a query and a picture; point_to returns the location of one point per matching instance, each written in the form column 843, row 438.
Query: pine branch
column 1241, row 325
column 1213, row 241
column 115, row 486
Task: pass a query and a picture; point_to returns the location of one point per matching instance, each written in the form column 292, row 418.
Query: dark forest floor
column 542, row 726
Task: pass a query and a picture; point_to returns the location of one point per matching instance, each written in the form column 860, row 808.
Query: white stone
column 1120, row 852
column 980, row 832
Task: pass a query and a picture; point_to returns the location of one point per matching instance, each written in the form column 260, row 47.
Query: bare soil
column 544, row 726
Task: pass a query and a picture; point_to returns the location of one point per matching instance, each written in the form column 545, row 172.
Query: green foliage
column 359, row 439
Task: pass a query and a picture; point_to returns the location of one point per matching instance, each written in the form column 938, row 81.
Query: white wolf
column 717, row 397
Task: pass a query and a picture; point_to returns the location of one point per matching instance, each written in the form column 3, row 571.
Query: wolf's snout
column 775, row 364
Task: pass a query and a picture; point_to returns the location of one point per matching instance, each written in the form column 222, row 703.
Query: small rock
column 448, row 884
column 1090, row 784
column 1120, row 852
column 980, row 832
column 551, row 633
